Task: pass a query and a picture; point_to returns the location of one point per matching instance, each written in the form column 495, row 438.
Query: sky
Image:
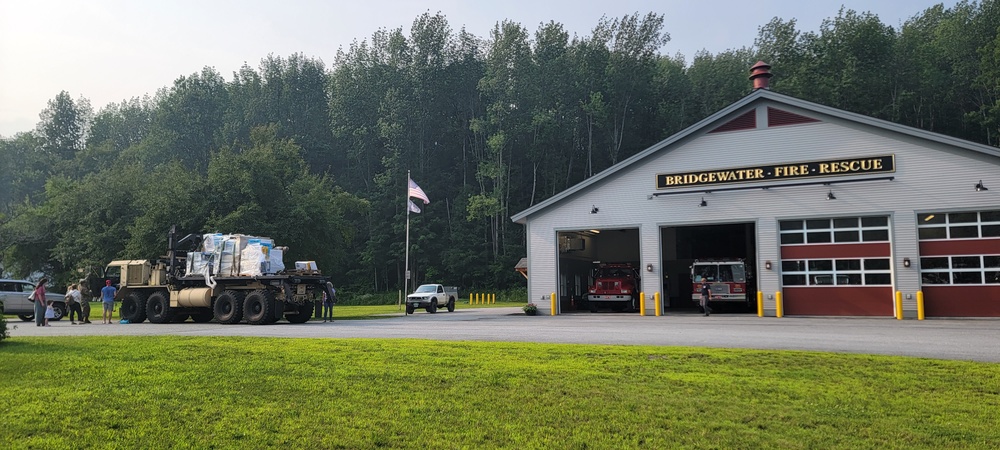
column 108, row 51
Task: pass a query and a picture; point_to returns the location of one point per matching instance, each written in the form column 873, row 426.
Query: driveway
column 960, row 339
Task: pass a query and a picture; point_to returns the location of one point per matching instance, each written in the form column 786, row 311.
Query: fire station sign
column 774, row 172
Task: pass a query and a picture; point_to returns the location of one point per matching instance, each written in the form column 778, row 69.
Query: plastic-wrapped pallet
column 197, row 263
column 210, row 242
column 253, row 262
column 276, row 258
column 307, row 266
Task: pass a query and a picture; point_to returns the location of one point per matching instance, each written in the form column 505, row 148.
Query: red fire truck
column 727, row 279
column 615, row 286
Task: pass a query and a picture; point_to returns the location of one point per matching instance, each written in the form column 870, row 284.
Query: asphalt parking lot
column 960, row 339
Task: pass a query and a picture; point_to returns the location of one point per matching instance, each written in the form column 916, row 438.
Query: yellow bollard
column 899, row 305
column 760, row 303
column 553, row 303
column 920, row 305
column 779, row 310
column 493, row 299
column 657, row 304
column 642, row 304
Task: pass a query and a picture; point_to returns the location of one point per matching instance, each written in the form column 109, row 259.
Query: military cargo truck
column 191, row 282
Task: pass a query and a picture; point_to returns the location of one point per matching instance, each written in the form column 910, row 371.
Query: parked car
column 14, row 295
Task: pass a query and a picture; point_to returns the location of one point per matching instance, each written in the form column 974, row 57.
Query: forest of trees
column 315, row 155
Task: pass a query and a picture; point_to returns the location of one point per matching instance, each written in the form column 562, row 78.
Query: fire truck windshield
column 721, row 272
column 733, row 273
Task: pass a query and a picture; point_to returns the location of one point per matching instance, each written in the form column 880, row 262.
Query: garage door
column 837, row 266
column 960, row 263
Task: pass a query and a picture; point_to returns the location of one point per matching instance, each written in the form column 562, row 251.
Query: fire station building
column 834, row 213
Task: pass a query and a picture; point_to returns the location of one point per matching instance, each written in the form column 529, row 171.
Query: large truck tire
column 203, row 316
column 451, row 305
column 433, row 307
column 410, row 308
column 134, row 307
column 302, row 314
column 229, row 307
column 158, row 308
column 276, row 311
column 258, row 307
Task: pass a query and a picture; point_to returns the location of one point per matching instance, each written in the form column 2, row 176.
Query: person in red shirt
column 40, row 303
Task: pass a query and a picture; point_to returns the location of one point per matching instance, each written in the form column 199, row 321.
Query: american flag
column 416, row 192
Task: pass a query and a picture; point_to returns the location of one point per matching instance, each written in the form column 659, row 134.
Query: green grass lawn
column 222, row 392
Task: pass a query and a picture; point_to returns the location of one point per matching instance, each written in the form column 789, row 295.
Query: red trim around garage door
column 960, row 247
column 813, row 251
column 962, row 301
column 838, row 301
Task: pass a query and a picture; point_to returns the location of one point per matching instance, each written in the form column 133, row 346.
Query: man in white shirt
column 73, row 300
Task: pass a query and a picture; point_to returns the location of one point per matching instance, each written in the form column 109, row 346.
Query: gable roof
column 756, row 96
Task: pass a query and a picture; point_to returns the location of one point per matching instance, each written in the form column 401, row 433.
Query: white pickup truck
column 431, row 297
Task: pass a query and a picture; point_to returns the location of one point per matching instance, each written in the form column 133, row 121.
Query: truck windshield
column 426, row 288
column 734, row 273
column 706, row 273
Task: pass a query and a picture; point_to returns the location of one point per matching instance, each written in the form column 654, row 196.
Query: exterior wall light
column 649, row 267
column 593, row 210
column 830, row 196
column 980, row 187
column 906, row 262
column 703, row 202
column 767, row 265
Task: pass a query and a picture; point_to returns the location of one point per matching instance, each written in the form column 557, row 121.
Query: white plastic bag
column 32, row 296
column 49, row 312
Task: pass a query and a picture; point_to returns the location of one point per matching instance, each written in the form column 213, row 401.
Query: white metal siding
column 929, row 176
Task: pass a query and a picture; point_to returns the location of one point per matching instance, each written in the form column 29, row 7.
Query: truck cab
column 614, row 286
column 727, row 279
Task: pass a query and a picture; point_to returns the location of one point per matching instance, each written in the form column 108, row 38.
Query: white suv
column 14, row 296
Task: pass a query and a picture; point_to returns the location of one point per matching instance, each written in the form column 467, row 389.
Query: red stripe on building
column 746, row 121
column 816, row 251
column 962, row 301
column 838, row 301
column 960, row 247
column 777, row 117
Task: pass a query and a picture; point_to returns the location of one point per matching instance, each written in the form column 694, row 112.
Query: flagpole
column 406, row 265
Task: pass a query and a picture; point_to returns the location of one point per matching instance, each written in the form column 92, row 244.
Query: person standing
column 40, row 303
column 329, row 299
column 108, row 300
column 87, row 295
column 706, row 295
column 73, row 300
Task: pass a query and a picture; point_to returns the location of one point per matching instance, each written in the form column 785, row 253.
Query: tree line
column 316, row 156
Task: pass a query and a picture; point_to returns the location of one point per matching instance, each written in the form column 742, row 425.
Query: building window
column 836, row 272
column 843, row 230
column 960, row 270
column 963, row 225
